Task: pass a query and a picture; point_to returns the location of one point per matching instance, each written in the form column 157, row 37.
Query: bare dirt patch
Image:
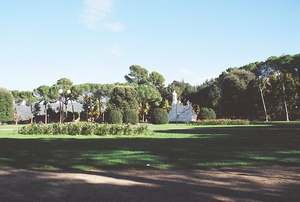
column 248, row 184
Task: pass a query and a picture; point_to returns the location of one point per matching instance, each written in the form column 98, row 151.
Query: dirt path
column 251, row 184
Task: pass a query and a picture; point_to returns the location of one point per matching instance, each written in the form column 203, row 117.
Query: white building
column 180, row 112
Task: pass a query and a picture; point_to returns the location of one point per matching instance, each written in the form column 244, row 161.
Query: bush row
column 222, row 122
column 83, row 129
column 129, row 116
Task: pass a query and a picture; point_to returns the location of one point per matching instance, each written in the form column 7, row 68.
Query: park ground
column 174, row 163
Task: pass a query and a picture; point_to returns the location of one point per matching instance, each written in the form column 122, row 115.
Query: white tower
column 174, row 100
column 180, row 112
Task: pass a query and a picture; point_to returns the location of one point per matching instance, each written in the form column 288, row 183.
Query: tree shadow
column 22, row 185
column 185, row 169
column 207, row 148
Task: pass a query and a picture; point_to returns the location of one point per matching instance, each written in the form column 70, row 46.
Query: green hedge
column 130, row 116
column 223, row 122
column 159, row 116
column 207, row 113
column 83, row 129
column 114, row 116
column 6, row 106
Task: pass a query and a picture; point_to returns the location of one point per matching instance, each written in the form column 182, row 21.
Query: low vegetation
column 170, row 146
column 222, row 122
column 87, row 129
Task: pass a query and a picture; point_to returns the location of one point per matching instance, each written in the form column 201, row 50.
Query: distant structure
column 180, row 112
column 24, row 112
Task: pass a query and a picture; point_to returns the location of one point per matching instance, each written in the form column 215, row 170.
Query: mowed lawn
column 169, row 147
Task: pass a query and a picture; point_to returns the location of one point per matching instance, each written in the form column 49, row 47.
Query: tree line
column 139, row 96
column 266, row 90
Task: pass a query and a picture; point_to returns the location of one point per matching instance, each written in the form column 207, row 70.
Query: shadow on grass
column 20, row 185
column 207, row 148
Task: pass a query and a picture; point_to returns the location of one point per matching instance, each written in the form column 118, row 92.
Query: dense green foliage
column 138, row 75
column 123, row 97
column 148, row 97
column 130, row 116
column 159, row 116
column 91, row 107
column 6, row 106
column 222, row 122
column 207, row 113
column 266, row 90
column 234, row 102
column 85, row 128
column 114, row 116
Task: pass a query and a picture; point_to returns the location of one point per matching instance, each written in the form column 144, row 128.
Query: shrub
column 70, row 129
column 6, row 106
column 87, row 129
column 57, row 129
column 83, row 129
column 159, row 116
column 207, row 113
column 223, row 122
column 114, row 116
column 101, row 130
column 131, row 116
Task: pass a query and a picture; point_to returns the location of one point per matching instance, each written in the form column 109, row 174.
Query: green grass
column 174, row 146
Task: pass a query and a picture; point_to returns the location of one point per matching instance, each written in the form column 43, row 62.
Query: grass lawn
column 170, row 147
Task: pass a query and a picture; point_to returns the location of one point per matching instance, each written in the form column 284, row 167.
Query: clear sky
column 97, row 40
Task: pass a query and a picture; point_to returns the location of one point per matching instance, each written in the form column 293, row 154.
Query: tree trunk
column 46, row 115
column 16, row 120
column 264, row 104
column 73, row 113
column 99, row 109
column 16, row 117
column 66, row 111
column 286, row 111
column 285, row 103
column 60, row 112
column 31, row 117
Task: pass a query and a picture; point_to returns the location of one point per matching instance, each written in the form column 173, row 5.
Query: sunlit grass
column 173, row 146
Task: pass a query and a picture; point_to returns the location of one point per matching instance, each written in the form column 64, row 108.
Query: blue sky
column 97, row 40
